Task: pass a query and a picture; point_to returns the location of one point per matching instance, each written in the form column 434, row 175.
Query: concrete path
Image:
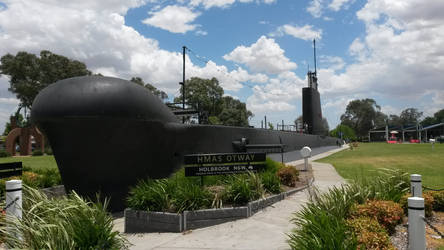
column 266, row 230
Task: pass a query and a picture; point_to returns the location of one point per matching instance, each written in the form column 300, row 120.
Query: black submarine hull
column 107, row 133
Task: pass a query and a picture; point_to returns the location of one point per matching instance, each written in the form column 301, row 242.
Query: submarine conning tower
column 311, row 102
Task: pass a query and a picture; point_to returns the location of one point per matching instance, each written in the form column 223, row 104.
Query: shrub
column 271, row 182
column 191, row 196
column 152, row 195
column 37, row 152
column 48, row 151
column 4, row 153
column 428, row 203
column 288, row 176
column 273, row 166
column 243, row 188
column 387, row 213
column 67, row 223
column 390, row 184
column 438, row 200
column 319, row 229
column 369, row 233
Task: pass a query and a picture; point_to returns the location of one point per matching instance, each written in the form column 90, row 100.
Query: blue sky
column 388, row 50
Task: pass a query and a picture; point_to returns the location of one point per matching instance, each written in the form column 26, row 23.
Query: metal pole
column 415, row 185
column 262, row 124
column 416, row 223
column 266, row 125
column 14, row 198
column 282, row 125
column 183, row 82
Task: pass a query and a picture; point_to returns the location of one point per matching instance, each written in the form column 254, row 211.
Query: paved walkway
column 266, row 229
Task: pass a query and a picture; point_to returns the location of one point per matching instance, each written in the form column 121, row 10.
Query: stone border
column 55, row 191
column 147, row 222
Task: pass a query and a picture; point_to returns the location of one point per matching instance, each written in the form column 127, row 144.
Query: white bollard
column 415, row 185
column 416, row 223
column 305, row 153
column 14, row 198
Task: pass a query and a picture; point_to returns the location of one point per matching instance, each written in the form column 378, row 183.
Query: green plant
column 152, row 195
column 191, row 196
column 67, row 223
column 387, row 213
column 288, row 176
column 4, row 153
column 48, row 151
column 369, row 233
column 37, row 152
column 243, row 188
column 272, row 166
column 271, row 182
column 428, row 203
column 389, row 184
column 438, row 200
column 316, row 228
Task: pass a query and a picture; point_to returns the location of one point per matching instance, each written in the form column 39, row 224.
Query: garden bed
column 194, row 203
column 137, row 221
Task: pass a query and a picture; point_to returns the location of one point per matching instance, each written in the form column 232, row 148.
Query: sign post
column 305, row 153
column 222, row 164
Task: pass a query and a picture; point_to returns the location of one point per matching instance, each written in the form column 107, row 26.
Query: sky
column 259, row 50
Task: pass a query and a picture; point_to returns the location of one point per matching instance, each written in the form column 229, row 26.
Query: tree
column 360, row 115
column 29, row 73
column 20, row 123
column 234, row 112
column 395, row 121
column 270, row 126
column 206, row 95
column 410, row 116
column 159, row 93
column 344, row 130
column 439, row 116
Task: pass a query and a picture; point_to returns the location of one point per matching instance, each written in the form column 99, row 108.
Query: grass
column 367, row 158
column 34, row 162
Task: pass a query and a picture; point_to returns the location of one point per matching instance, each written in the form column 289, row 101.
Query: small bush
column 273, row 166
column 318, row 229
column 4, row 153
column 67, row 223
column 438, row 200
column 48, row 151
column 191, row 196
column 243, row 188
column 271, row 182
column 37, row 152
column 387, row 213
column 428, row 203
column 152, row 195
column 369, row 233
column 288, row 176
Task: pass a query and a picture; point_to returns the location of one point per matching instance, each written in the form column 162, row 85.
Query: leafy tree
column 360, row 115
column 206, row 95
column 270, row 126
column 439, row 116
column 395, row 120
column 159, row 93
column 29, row 73
column 234, row 112
column 347, row 132
column 410, row 116
column 203, row 95
column 20, row 123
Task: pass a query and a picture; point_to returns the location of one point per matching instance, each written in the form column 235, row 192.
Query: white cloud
column 315, row 8
column 305, row 32
column 331, row 62
column 264, row 56
column 173, row 18
column 207, row 4
column 336, row 5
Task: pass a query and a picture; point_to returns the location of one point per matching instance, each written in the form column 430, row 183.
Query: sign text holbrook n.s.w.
column 224, row 158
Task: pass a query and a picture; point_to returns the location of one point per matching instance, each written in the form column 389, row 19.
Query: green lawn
column 412, row 158
column 35, row 162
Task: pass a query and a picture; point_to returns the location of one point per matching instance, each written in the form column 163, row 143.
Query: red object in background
column 414, row 141
column 392, row 142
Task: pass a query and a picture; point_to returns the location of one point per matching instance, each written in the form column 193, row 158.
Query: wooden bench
column 10, row 169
